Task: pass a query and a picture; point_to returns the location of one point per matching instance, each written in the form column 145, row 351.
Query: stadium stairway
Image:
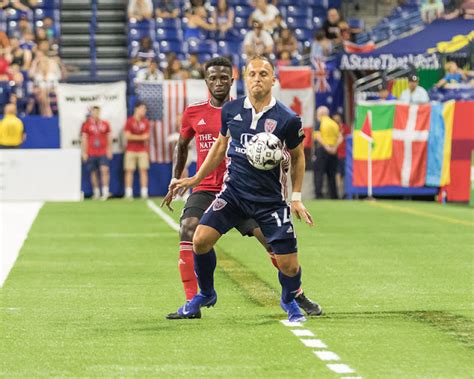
column 93, row 39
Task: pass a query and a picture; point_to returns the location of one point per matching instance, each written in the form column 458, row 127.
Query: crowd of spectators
column 30, row 67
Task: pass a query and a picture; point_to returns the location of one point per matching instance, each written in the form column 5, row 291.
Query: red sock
column 186, row 269
column 275, row 263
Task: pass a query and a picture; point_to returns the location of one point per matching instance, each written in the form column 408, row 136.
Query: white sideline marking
column 327, row 355
column 291, row 323
column 302, row 333
column 16, row 219
column 340, row 368
column 314, row 343
column 172, row 223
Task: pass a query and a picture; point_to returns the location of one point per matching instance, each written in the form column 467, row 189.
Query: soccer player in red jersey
column 202, row 121
column 96, row 148
column 137, row 133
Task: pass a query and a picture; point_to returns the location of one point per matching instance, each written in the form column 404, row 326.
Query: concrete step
column 75, row 52
column 74, row 27
column 75, row 16
column 111, row 52
column 110, row 27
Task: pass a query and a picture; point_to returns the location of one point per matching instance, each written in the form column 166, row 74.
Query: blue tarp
column 419, row 43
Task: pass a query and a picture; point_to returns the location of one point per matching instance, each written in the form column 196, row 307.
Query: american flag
column 166, row 102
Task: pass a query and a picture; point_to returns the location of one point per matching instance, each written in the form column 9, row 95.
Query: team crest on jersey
column 270, row 125
column 218, row 204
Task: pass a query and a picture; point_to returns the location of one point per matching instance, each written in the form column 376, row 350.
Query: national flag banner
column 295, row 90
column 367, row 127
column 166, row 102
column 400, row 144
column 381, row 131
column 439, row 144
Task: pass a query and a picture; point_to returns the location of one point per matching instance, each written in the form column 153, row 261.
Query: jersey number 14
column 286, row 217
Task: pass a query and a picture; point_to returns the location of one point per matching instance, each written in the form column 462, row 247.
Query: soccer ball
column 264, row 151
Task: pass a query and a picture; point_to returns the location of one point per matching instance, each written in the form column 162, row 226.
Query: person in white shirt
column 258, row 41
column 265, row 14
column 414, row 94
column 151, row 73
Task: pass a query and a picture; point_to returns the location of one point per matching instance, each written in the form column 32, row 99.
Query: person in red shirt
column 341, row 153
column 202, row 122
column 96, row 147
column 137, row 133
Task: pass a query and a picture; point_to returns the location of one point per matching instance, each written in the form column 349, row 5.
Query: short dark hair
column 218, row 61
column 139, row 104
column 95, row 107
column 262, row 58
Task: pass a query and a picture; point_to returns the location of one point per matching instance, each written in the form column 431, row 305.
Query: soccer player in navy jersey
column 251, row 193
column 202, row 122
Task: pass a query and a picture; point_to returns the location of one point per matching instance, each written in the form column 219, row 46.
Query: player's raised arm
column 180, row 158
column 212, row 161
column 297, row 175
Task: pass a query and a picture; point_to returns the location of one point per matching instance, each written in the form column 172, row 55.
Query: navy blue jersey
column 241, row 123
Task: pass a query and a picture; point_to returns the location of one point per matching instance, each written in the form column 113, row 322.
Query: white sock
column 128, row 192
column 105, row 191
column 96, row 192
column 144, row 192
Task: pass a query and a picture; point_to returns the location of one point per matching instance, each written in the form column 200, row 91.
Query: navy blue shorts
column 274, row 219
column 341, row 166
column 93, row 163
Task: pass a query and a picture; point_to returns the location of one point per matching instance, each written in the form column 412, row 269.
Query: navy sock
column 289, row 285
column 204, row 266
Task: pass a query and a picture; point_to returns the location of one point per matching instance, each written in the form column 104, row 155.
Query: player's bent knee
column 204, row 239
column 188, row 227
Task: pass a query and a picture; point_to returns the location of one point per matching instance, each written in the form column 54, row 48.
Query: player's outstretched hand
column 301, row 212
column 182, row 185
column 170, row 195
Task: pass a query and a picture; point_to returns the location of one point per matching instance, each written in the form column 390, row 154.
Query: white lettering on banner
column 388, row 61
column 75, row 102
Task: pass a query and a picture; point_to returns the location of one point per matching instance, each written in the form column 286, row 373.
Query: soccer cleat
column 293, row 311
column 192, row 309
column 309, row 306
column 177, row 316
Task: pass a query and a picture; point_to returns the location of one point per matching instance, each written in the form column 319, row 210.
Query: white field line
column 324, row 355
column 16, row 219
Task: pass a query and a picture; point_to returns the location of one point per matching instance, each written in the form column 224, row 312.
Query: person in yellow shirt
column 12, row 132
column 328, row 138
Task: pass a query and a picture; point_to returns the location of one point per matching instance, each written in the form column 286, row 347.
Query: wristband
column 296, row 196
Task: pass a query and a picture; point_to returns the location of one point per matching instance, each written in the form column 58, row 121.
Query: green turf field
column 94, row 280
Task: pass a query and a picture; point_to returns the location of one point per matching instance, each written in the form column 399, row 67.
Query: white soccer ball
column 264, row 151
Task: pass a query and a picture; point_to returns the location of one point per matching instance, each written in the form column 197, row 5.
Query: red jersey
column 137, row 127
column 97, row 136
column 203, row 121
column 345, row 131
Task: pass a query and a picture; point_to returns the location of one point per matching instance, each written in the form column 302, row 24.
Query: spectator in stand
column 48, row 25
column 287, row 42
column 331, row 25
column 28, row 41
column 431, row 10
column 175, row 71
column 345, row 131
column 453, row 76
column 328, row 138
column 384, row 94
column 24, row 26
column 265, row 14
column 465, row 10
column 194, row 68
column 258, row 41
column 24, row 5
column 12, row 131
column 414, row 94
column 284, row 59
column 137, row 133
column 224, row 17
column 150, row 73
column 167, row 9
column 321, row 47
column 280, row 24
column 46, row 74
column 19, row 56
column 345, row 30
column 96, row 145
column 140, row 10
column 5, row 74
column 4, row 41
column 197, row 23
column 143, row 52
